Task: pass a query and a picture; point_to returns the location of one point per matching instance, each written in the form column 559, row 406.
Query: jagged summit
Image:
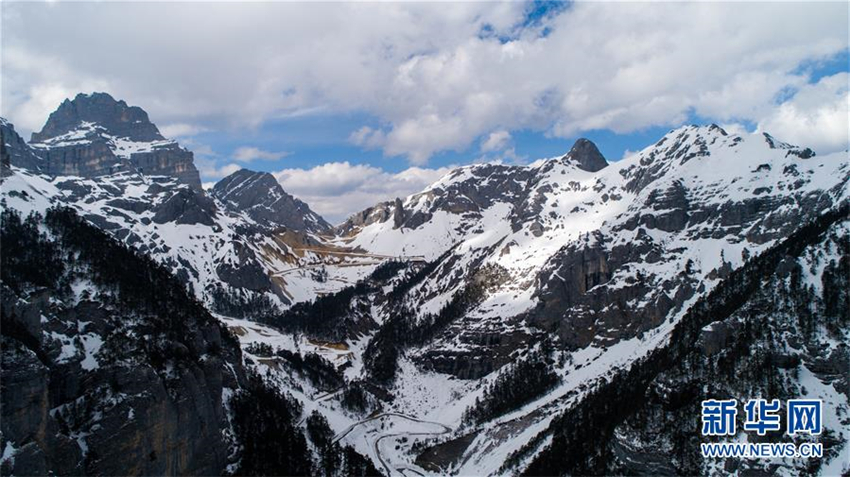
column 586, row 156
column 95, row 135
column 115, row 116
column 261, row 197
column 543, row 278
column 14, row 151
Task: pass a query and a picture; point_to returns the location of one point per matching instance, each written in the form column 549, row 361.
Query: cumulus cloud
column 209, row 169
column 367, row 137
column 249, row 153
column 425, row 71
column 181, row 130
column 338, row 189
column 816, row 116
column 496, row 141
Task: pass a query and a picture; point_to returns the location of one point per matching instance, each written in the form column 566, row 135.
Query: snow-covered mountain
column 599, row 265
column 263, row 200
column 245, row 247
column 95, row 135
column 463, row 328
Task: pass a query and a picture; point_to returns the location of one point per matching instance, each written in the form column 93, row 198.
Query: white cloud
column 181, row 130
column 367, row 137
column 496, row 141
column 209, row 169
column 421, row 69
column 817, row 116
column 203, row 150
column 248, row 154
column 338, row 189
column 734, row 128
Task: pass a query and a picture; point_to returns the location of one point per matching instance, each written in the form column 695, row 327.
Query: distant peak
column 261, row 196
column 716, row 128
column 586, row 156
column 114, row 116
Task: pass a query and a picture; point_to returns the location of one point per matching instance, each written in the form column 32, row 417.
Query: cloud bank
column 337, row 189
column 440, row 76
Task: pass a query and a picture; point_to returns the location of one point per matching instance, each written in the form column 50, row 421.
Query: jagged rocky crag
column 95, row 135
column 260, row 196
column 775, row 327
column 108, row 161
column 477, row 327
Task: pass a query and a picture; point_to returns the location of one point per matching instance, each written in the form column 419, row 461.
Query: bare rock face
column 586, row 156
column 121, row 120
column 186, row 206
column 168, row 160
column 91, row 159
column 262, row 199
column 119, row 388
column 94, row 135
column 15, row 151
column 376, row 214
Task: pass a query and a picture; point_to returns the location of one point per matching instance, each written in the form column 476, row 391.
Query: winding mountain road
column 377, row 444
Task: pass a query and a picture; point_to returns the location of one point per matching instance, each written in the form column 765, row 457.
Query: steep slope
column 95, row 135
column 109, row 367
column 777, row 328
column 249, row 254
column 260, row 197
column 14, row 151
column 156, row 215
column 583, row 271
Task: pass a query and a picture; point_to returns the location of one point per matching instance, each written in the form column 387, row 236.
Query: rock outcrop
column 14, row 150
column 259, row 196
column 117, row 117
column 130, row 385
column 586, row 155
column 95, row 135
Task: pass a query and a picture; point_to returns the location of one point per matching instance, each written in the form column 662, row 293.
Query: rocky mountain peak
column 96, row 135
column 115, row 116
column 261, row 198
column 14, row 151
column 586, row 156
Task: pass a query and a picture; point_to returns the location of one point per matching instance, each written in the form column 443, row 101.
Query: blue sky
column 349, row 104
column 321, row 138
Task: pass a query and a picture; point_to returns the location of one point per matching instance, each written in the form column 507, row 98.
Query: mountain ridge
column 554, row 278
column 261, row 196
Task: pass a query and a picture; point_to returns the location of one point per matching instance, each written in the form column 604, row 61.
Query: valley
column 466, row 329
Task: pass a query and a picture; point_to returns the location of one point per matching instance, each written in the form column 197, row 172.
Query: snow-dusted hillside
column 551, row 279
column 602, row 264
column 250, row 251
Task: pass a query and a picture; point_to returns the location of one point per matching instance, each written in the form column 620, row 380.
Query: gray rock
column 586, row 156
column 116, row 116
column 96, row 154
column 261, row 197
column 186, row 206
column 15, row 151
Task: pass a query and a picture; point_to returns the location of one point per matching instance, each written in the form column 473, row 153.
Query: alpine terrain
column 565, row 317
